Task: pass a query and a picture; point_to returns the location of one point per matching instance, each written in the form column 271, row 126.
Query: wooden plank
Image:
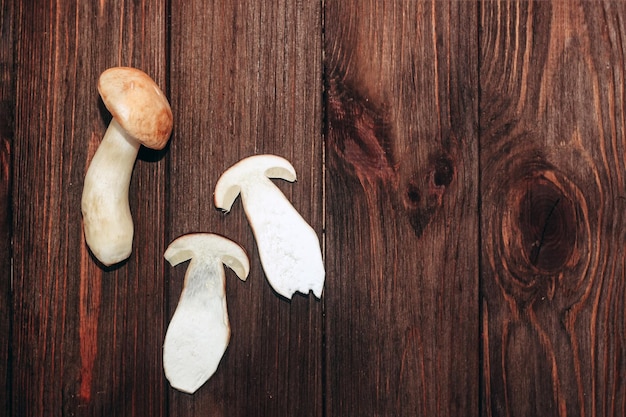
column 245, row 80
column 402, row 198
column 552, row 121
column 7, row 104
column 86, row 340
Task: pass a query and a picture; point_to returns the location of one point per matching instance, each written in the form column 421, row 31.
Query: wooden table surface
column 463, row 163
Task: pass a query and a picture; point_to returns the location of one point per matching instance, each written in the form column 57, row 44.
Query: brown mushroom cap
column 138, row 105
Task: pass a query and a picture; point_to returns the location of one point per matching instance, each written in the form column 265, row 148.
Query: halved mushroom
column 288, row 246
column 199, row 331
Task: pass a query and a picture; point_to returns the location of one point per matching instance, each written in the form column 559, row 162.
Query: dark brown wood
column 552, row 187
column 86, row 340
column 402, row 199
column 246, row 79
column 463, row 163
column 7, row 105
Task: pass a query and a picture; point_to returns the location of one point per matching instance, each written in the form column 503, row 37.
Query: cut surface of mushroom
column 288, row 246
column 141, row 116
column 199, row 331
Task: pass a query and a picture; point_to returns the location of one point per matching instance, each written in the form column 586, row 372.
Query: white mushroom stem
column 106, row 213
column 199, row 331
column 288, row 246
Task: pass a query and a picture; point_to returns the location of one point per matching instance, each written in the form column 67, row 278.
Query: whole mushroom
column 141, row 116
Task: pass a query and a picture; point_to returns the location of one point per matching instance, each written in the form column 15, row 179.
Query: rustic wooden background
column 464, row 164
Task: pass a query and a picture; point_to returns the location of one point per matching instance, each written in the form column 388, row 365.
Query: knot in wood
column 538, row 234
column 423, row 193
column 359, row 133
column 540, row 229
column 443, row 173
column 547, row 224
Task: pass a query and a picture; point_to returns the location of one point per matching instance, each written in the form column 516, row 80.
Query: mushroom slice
column 199, row 331
column 288, row 246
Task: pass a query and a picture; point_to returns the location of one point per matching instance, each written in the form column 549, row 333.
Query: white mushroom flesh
column 106, row 213
column 199, row 331
column 288, row 246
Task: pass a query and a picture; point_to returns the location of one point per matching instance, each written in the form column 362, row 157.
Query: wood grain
column 552, row 187
column 86, row 340
column 7, row 105
column 246, row 79
column 463, row 163
column 402, row 223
